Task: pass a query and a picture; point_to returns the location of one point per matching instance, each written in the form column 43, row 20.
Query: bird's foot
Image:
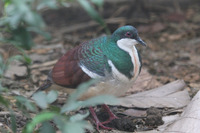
column 100, row 124
column 110, row 119
column 97, row 122
column 111, row 115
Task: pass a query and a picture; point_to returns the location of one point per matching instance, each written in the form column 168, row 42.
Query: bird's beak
column 140, row 41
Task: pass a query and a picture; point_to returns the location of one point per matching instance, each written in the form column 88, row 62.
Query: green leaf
column 39, row 118
column 39, row 31
column 72, row 103
column 93, row 14
column 24, row 101
column 22, row 37
column 65, row 4
column 27, row 59
column 54, row 108
column 4, row 101
column 79, row 117
column 91, row 11
column 70, row 106
column 13, row 122
column 52, row 96
column 60, row 121
column 102, row 99
column 34, row 20
column 6, row 3
column 15, row 20
column 1, row 87
column 15, row 57
column 99, row 3
column 47, row 3
column 67, row 126
column 21, row 11
column 46, row 128
column 40, row 99
column 3, row 67
column 76, row 127
column 82, row 88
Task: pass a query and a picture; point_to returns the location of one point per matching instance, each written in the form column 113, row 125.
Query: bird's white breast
column 128, row 45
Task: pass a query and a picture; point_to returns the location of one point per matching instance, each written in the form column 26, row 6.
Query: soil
column 152, row 120
column 170, row 29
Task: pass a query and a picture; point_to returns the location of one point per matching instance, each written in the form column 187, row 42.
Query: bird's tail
column 45, row 85
column 48, row 82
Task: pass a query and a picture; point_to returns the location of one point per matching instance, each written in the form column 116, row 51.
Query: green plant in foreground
column 60, row 116
column 93, row 13
column 21, row 18
column 65, row 122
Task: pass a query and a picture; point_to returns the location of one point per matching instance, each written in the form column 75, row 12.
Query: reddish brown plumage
column 67, row 71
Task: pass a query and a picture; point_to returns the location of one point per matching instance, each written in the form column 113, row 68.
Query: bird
column 109, row 58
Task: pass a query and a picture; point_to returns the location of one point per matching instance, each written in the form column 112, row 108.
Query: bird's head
column 129, row 35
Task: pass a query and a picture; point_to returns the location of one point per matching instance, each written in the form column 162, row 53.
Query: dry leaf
column 170, row 95
column 189, row 122
column 135, row 112
column 145, row 81
column 15, row 69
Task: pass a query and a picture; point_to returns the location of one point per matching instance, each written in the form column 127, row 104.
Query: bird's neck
column 128, row 45
column 119, row 60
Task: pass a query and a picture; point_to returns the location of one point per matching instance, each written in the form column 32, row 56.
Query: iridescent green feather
column 97, row 52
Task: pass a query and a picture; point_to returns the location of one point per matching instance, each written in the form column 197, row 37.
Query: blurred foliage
column 50, row 117
column 21, row 18
column 60, row 116
column 93, row 13
column 3, row 66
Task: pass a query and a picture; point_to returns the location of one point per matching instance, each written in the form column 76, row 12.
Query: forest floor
column 171, row 31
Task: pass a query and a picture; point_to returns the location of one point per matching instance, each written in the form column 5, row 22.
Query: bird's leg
column 97, row 122
column 111, row 115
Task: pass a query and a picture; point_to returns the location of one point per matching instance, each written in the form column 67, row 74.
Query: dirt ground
column 170, row 29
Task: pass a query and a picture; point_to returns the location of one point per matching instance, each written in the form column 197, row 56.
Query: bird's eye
column 128, row 34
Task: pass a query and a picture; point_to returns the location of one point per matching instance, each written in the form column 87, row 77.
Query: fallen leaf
column 170, row 95
column 135, row 112
column 175, row 37
column 152, row 28
column 145, row 81
column 15, row 69
column 189, row 122
column 175, row 17
column 167, row 121
column 157, row 27
column 39, row 58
